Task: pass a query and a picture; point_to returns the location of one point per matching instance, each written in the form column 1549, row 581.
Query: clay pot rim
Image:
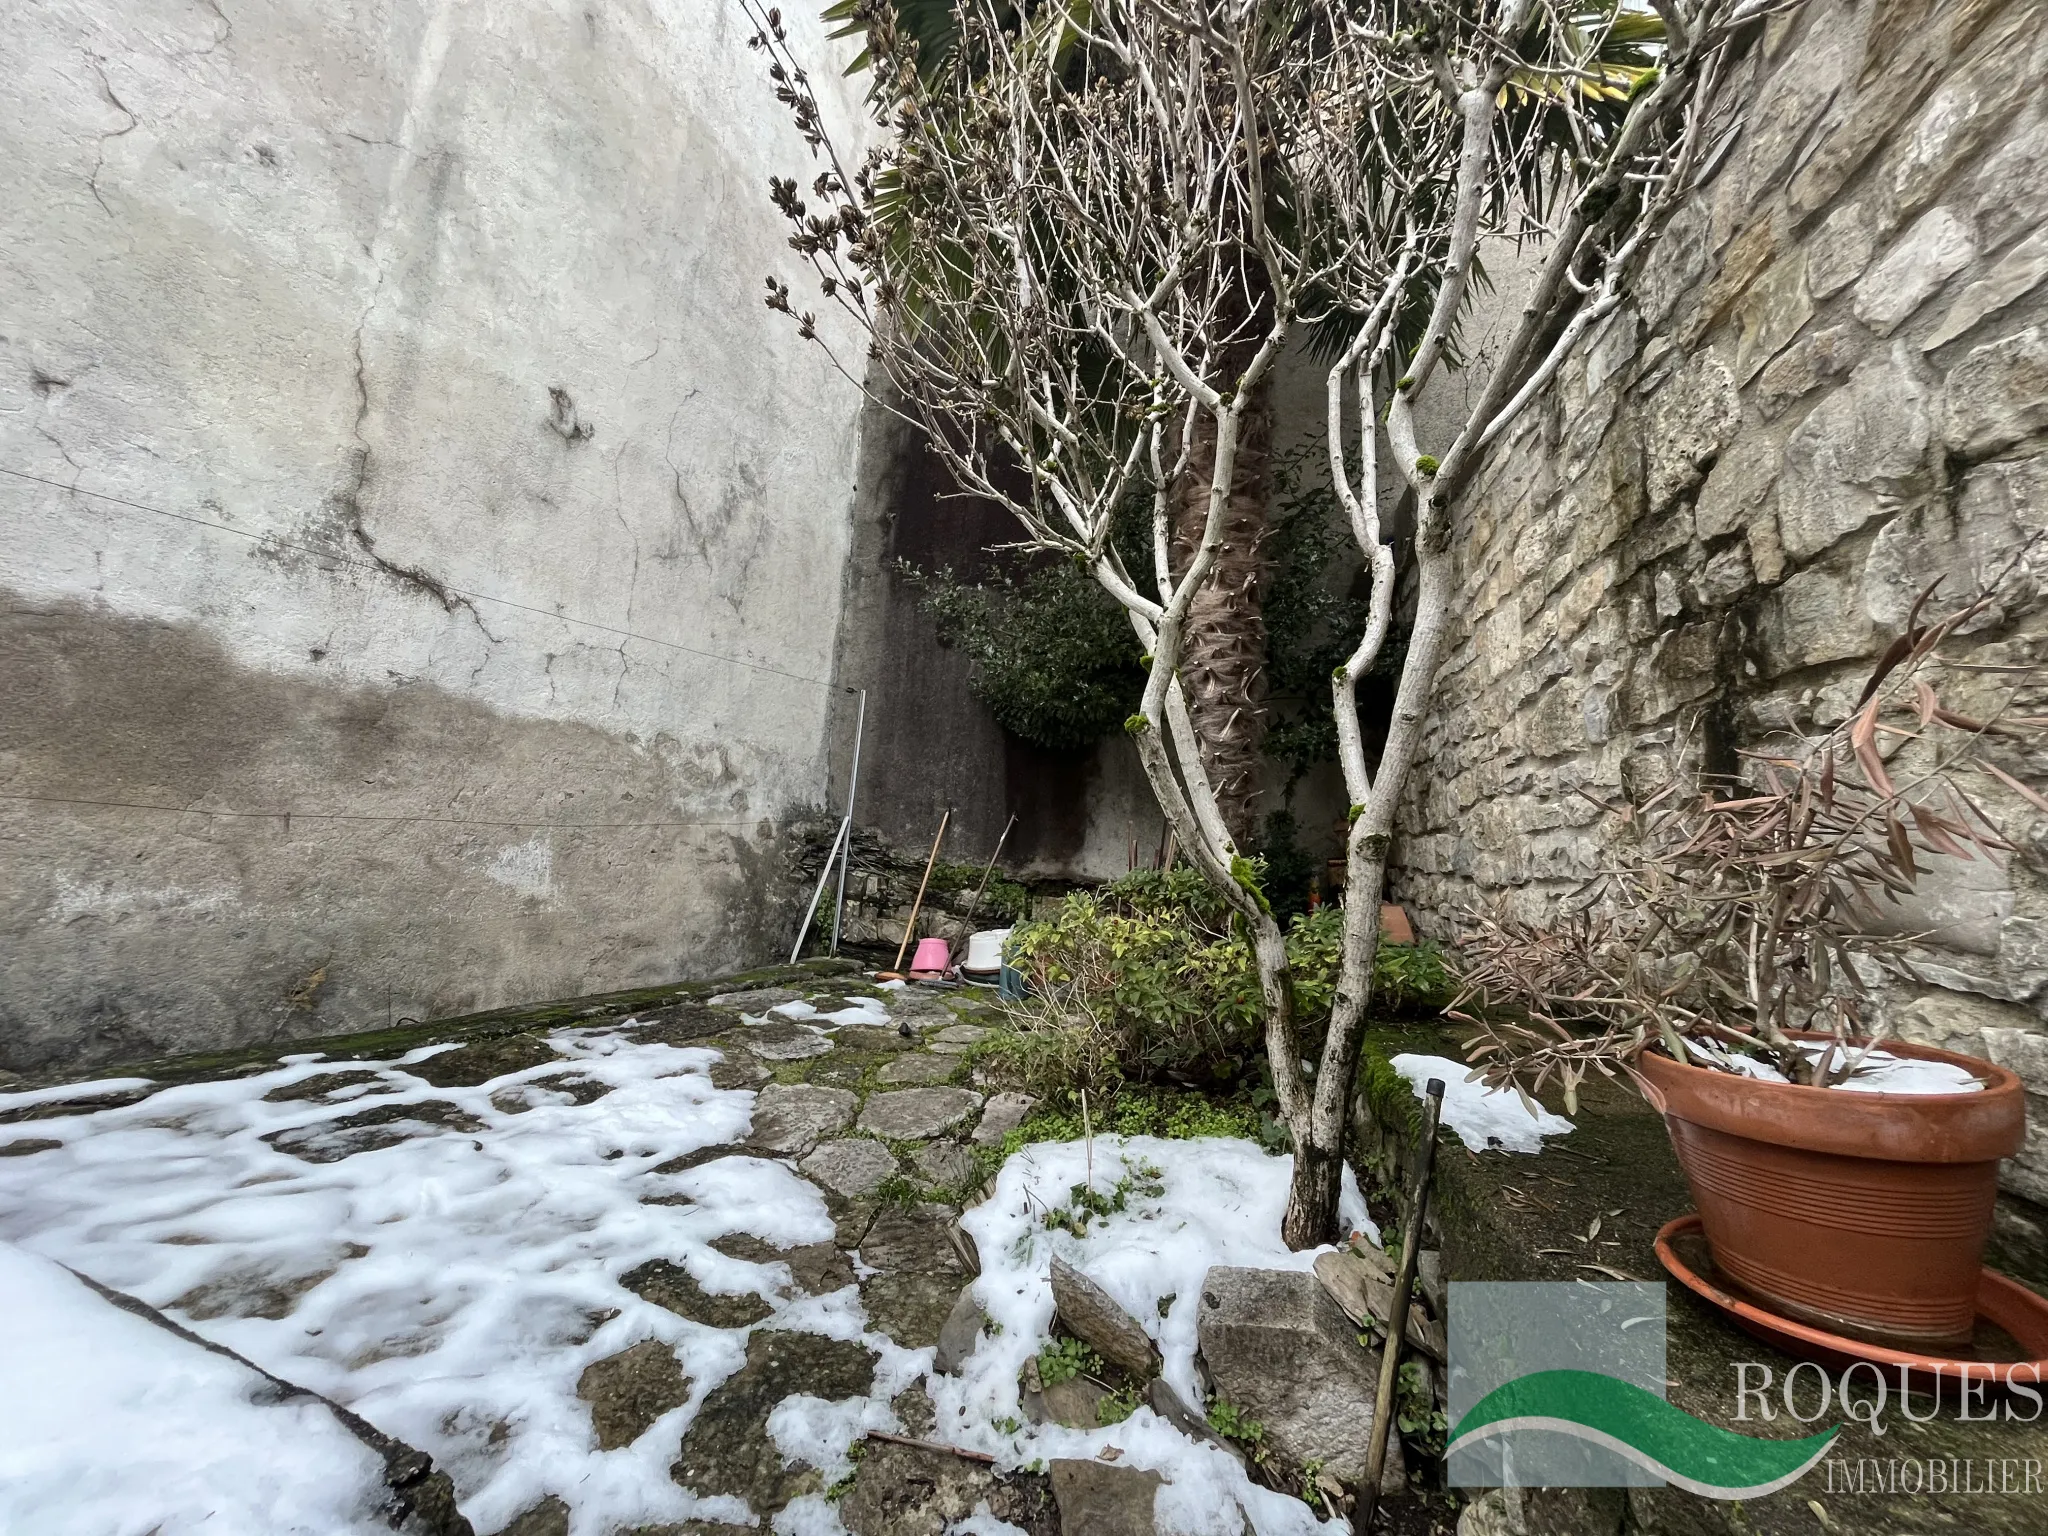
column 1890, row 1127
column 1996, row 1079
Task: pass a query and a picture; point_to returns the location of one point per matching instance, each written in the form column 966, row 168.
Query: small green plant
column 1240, row 1428
column 1416, row 1414
column 1313, row 1493
column 1116, row 1407
column 1007, row 1424
column 1084, row 1203
column 1063, row 1359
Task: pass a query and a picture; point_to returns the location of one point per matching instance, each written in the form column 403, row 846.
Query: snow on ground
column 459, row 1281
column 452, row 1286
column 109, row 1423
column 1218, row 1201
column 1483, row 1117
column 1879, row 1072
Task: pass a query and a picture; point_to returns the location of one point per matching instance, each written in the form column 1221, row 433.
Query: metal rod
column 852, row 788
column 1397, row 1325
column 845, row 824
column 991, row 867
column 910, row 924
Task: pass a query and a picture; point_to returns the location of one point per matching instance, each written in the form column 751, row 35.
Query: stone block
column 1856, row 456
column 1814, row 616
column 1937, row 247
column 1774, row 311
column 1998, row 395
column 1098, row 1498
column 1963, row 112
column 1685, row 425
column 1825, row 357
column 2015, row 275
column 794, row 1117
column 1003, row 1114
column 1840, row 249
column 1280, row 1351
column 1725, row 577
column 1093, row 1316
column 917, row 1114
column 851, row 1168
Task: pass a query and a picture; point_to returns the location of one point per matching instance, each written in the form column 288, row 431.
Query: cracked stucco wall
column 394, row 306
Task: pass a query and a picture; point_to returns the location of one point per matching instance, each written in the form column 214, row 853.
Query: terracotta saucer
column 2015, row 1345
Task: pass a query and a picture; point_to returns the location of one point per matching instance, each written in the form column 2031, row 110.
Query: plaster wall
column 1833, row 387
column 393, row 443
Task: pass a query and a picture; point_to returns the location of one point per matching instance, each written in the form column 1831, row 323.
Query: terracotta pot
column 1864, row 1213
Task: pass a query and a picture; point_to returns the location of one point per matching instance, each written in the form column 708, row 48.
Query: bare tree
column 1088, row 236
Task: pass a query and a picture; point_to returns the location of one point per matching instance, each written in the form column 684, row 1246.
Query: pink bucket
column 932, row 955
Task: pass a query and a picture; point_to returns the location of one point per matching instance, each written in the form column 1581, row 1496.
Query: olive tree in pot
column 1084, row 241
column 1731, row 964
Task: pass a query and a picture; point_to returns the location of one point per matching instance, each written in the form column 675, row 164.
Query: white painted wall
column 317, row 272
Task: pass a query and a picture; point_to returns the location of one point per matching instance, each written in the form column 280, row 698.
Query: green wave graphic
column 1686, row 1452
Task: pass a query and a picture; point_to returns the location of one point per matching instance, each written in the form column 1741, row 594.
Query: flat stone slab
column 329, row 1141
column 915, row 1242
column 911, row 1309
column 795, row 1117
column 918, row 1069
column 957, row 1039
column 852, row 1168
column 918, row 1114
column 671, row 1286
column 755, row 1000
column 728, row 1449
column 483, row 1061
column 817, row 1268
column 1097, row 1498
column 785, row 1042
column 630, row 1390
column 1004, row 1113
column 945, row 1164
column 899, row 1490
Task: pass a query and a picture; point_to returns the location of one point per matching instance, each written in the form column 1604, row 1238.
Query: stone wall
column 1832, row 388
column 392, row 443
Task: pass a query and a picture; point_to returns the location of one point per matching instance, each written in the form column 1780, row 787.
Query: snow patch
column 110, row 1425
column 1483, row 1117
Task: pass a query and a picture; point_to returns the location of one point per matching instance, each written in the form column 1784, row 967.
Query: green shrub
column 1150, row 980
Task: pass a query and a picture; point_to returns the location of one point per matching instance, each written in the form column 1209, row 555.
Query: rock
column 1093, row 1316
column 1170, row 1406
column 902, row 1490
column 960, row 1332
column 945, row 1164
column 550, row 1517
column 671, row 1286
column 269, row 1291
column 1429, row 1279
column 777, row 1041
column 727, row 1450
column 1839, row 250
column 329, row 1141
column 28, row 1146
column 918, row 1068
column 1097, row 1498
column 1687, row 424
column 1824, row 357
column 1076, row 1402
column 737, row 1074
column 852, row 1168
column 1998, row 394
column 756, row 1000
column 1368, row 1300
column 957, row 1039
column 918, row 1114
column 912, row 1309
column 914, row 1241
column 564, row 1088
column 1926, row 256
column 794, row 1117
column 914, row 1412
column 1736, row 486
column 628, row 1391
column 1771, row 314
column 1571, row 1512
column 482, row 1061
column 1005, row 1112
column 816, row 1268
column 2017, row 274
column 1281, row 1352
column 328, row 1088
column 1812, row 617
column 1855, row 456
